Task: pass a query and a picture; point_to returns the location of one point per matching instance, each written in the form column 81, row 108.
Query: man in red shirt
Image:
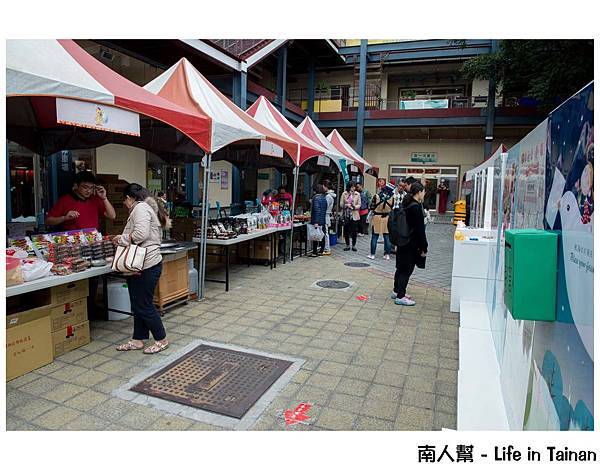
column 83, row 207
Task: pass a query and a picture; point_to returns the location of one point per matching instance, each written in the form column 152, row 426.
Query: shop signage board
column 323, row 160
column 97, row 116
column 270, row 149
column 423, row 157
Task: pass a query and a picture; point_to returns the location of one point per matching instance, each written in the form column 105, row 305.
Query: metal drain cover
column 355, row 264
column 331, row 284
column 215, row 379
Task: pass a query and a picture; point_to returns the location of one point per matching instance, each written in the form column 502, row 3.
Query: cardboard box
column 70, row 337
column 262, row 250
column 28, row 342
column 70, row 313
column 60, row 295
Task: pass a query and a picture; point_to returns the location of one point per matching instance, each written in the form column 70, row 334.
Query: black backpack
column 398, row 226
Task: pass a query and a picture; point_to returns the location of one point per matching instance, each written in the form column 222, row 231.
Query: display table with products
column 227, row 243
column 52, row 281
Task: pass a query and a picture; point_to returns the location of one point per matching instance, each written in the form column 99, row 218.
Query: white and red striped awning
column 184, row 85
column 344, row 147
column 49, row 68
column 264, row 112
column 310, row 130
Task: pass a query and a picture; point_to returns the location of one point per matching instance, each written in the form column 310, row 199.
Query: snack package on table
column 35, row 269
column 14, row 271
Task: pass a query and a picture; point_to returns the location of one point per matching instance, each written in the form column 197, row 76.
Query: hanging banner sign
column 323, row 160
column 344, row 171
column 97, row 116
column 270, row 149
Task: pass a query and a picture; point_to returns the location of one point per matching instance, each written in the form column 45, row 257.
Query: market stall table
column 52, row 281
column 226, row 243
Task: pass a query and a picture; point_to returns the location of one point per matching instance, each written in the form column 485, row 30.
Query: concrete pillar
column 362, row 85
column 490, row 111
column 282, row 78
column 311, row 88
column 192, row 177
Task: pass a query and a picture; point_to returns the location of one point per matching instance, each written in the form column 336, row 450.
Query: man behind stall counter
column 82, row 207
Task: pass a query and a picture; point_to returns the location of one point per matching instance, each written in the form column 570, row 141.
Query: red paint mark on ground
column 362, row 297
column 298, row 415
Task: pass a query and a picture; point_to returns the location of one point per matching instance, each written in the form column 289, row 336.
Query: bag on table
column 315, row 234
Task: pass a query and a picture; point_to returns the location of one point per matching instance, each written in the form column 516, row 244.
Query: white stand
column 480, row 402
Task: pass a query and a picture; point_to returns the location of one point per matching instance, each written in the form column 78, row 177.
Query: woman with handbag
column 381, row 207
column 318, row 213
column 138, row 255
column 350, row 204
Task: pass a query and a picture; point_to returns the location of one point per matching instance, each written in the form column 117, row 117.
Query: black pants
column 319, row 245
column 146, row 318
column 350, row 231
column 364, row 227
column 405, row 265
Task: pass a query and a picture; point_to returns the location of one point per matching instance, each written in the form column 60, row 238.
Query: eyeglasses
column 87, row 187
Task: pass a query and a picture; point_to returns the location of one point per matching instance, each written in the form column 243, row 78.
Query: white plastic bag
column 315, row 234
column 36, row 270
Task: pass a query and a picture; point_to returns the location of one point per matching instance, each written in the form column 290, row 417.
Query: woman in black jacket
column 414, row 252
column 318, row 217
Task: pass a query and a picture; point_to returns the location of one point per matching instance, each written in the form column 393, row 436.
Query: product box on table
column 70, row 337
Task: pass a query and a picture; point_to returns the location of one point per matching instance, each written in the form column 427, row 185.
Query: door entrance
column 432, row 177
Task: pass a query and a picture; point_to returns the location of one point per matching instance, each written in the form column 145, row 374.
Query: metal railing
column 237, row 47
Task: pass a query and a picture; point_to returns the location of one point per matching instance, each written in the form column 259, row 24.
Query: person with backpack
column 407, row 232
column 381, row 206
column 350, row 205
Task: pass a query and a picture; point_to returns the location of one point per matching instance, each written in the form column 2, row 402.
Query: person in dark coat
column 415, row 251
column 318, row 214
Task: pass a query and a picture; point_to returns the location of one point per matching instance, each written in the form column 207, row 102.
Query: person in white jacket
column 330, row 196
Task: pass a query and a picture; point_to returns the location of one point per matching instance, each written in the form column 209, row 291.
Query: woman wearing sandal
column 144, row 228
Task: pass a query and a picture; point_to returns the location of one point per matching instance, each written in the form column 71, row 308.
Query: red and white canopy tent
column 264, row 112
column 344, row 147
column 184, row 85
column 310, row 130
column 60, row 97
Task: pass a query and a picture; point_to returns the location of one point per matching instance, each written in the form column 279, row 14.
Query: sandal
column 129, row 346
column 156, row 347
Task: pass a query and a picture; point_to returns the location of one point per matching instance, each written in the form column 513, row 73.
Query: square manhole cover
column 220, row 380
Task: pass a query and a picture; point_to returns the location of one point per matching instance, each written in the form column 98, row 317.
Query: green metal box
column 530, row 266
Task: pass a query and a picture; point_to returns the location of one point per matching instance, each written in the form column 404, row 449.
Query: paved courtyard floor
column 369, row 364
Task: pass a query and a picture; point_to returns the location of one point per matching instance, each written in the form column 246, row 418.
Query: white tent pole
column 204, row 226
column 201, row 237
column 296, row 171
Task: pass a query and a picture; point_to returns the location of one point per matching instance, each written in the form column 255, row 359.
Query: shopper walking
column 318, row 212
column 143, row 228
column 412, row 242
column 330, row 197
column 350, row 205
column 381, row 206
column 363, row 228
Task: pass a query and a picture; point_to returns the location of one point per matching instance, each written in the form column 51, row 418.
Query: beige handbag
column 129, row 259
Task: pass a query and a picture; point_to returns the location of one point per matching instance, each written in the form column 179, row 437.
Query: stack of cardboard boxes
column 43, row 325
column 114, row 192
